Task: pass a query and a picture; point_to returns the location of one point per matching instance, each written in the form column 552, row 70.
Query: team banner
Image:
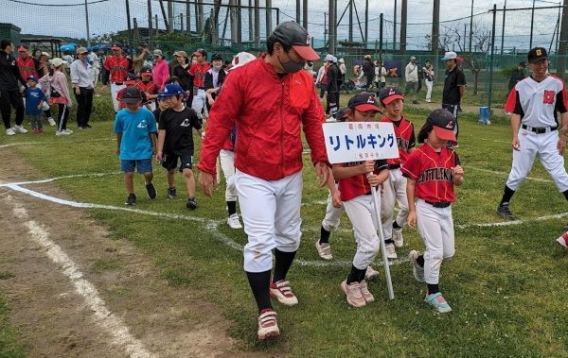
column 348, row 142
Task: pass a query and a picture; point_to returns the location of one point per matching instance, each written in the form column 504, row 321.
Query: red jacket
column 269, row 112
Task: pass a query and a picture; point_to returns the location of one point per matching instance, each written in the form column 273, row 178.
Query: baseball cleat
column 391, row 252
column 397, row 238
column 367, row 296
column 324, row 250
column 417, row 270
column 505, row 212
column 283, row 293
column 234, row 222
column 563, row 240
column 353, row 294
column 437, row 301
column 268, row 325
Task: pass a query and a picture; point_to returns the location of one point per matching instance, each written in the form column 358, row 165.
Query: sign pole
column 377, row 206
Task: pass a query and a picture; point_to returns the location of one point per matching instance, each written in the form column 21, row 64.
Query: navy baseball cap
column 145, row 71
column 443, row 124
column 292, row 34
column 131, row 95
column 389, row 94
column 364, row 102
column 173, row 89
column 130, row 79
column 537, row 54
column 33, row 78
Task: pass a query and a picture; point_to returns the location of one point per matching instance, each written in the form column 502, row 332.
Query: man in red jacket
column 269, row 99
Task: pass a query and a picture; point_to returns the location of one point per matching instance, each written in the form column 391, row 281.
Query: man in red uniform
column 270, row 99
column 118, row 65
column 27, row 65
column 198, row 71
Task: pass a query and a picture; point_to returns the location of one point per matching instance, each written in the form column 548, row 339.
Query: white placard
column 348, row 142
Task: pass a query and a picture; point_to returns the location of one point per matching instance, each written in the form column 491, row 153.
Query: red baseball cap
column 22, row 49
column 443, row 124
column 389, row 94
column 291, row 33
column 364, row 102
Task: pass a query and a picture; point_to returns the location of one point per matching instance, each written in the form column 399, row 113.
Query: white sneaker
column 268, row 325
column 20, row 129
column 353, row 294
column 398, row 239
column 417, row 270
column 371, row 274
column 324, row 250
column 51, row 121
column 63, row 132
column 391, row 252
column 234, row 222
column 69, row 131
column 10, row 131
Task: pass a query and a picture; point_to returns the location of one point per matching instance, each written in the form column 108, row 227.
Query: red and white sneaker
column 268, row 325
column 563, row 240
column 283, row 293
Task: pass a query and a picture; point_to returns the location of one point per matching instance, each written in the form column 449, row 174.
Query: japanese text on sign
column 358, row 141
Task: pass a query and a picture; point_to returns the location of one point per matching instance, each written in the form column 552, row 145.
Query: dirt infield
column 48, row 307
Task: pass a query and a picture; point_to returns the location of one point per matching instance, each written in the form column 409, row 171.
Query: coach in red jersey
column 270, row 100
column 27, row 65
column 534, row 103
column 118, row 66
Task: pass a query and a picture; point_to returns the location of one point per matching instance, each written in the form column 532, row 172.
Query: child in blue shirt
column 34, row 102
column 135, row 129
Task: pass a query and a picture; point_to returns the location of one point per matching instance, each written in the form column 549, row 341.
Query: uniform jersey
column 27, row 67
column 405, row 139
column 432, row 172
column 352, row 187
column 198, row 72
column 179, row 133
column 148, row 88
column 122, row 105
column 538, row 102
column 118, row 68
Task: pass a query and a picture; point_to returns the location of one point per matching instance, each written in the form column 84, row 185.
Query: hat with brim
column 241, row 59
column 306, row 52
column 131, row 100
column 450, row 56
column 22, row 49
column 367, row 108
column 181, row 54
column 131, row 95
column 82, row 50
column 56, row 62
column 364, row 102
column 443, row 123
column 293, row 34
column 389, row 94
column 46, row 54
column 172, row 89
column 389, row 99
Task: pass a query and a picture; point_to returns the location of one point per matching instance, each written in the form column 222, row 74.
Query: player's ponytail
column 424, row 131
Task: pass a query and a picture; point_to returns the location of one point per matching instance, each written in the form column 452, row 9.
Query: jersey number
column 548, row 97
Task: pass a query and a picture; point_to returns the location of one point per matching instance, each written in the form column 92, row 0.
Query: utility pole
column 366, row 22
column 239, row 22
column 490, row 94
column 350, row 20
column 233, row 10
column 403, row 24
column 170, row 16
column 257, row 24
column 394, row 26
column 464, row 34
column 305, row 14
column 298, row 11
column 470, row 26
column 150, row 34
column 332, row 27
column 436, row 36
column 128, row 23
column 251, row 29
column 87, row 21
column 503, row 27
column 532, row 22
column 268, row 18
column 188, row 19
column 562, row 46
column 325, row 28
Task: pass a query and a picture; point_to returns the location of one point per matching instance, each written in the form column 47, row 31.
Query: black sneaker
column 191, row 204
column 172, row 192
column 505, row 212
column 131, row 200
column 151, row 191
column 87, row 126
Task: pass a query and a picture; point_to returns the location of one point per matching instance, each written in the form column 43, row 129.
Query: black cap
column 146, row 69
column 292, row 34
column 131, row 95
column 341, row 114
column 389, row 94
column 363, row 102
column 443, row 123
column 537, row 54
column 116, row 45
column 217, row 57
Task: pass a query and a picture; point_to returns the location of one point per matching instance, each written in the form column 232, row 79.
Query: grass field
column 507, row 284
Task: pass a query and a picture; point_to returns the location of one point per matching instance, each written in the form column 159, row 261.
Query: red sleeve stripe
column 511, row 101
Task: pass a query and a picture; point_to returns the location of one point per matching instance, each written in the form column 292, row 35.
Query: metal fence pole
column 490, row 93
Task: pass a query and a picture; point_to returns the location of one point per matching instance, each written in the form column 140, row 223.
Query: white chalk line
column 66, row 142
column 42, row 181
column 103, row 317
column 506, row 174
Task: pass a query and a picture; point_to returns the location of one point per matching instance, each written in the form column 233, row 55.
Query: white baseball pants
column 228, row 168
column 332, row 215
column 271, row 216
column 360, row 213
column 436, row 226
column 394, row 190
column 198, row 102
column 429, row 86
column 114, row 89
column 535, row 145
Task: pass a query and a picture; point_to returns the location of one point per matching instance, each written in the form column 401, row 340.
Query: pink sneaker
column 283, row 293
column 354, row 295
column 268, row 325
column 368, row 296
column 563, row 240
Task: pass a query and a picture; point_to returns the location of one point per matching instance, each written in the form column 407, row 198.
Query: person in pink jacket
column 161, row 70
column 60, row 95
